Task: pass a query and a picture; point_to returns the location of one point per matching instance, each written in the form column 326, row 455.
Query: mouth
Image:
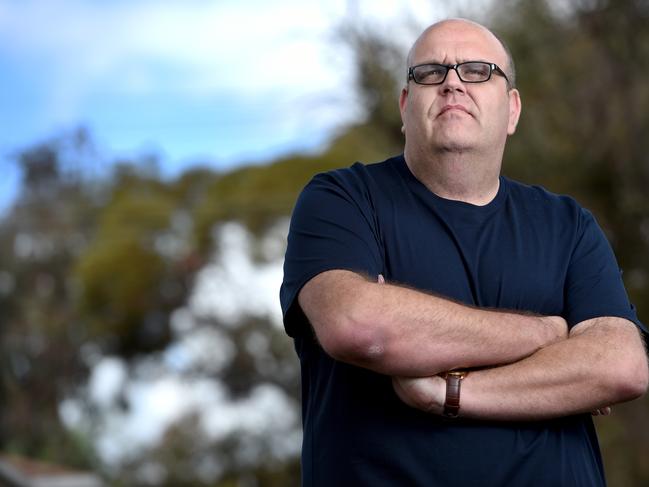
column 452, row 109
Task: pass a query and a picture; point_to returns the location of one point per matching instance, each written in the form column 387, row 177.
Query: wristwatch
column 452, row 402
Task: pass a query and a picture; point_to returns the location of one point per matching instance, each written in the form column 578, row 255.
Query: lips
column 449, row 108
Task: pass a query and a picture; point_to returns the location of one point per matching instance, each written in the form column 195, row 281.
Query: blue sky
column 221, row 82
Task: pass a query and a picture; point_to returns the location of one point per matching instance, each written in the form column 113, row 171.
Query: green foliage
column 104, row 262
column 583, row 79
column 380, row 72
column 119, row 284
column 120, row 273
column 585, row 113
column 40, row 332
column 258, row 195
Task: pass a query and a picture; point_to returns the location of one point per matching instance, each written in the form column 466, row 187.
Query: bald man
column 454, row 327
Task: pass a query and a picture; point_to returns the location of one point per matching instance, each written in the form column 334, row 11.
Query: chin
column 453, row 146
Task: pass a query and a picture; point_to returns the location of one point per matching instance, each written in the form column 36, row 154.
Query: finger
column 381, row 279
column 605, row 411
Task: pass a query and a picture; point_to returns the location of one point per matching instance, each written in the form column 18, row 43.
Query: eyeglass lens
column 472, row 72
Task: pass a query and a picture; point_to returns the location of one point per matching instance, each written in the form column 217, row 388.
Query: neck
column 460, row 176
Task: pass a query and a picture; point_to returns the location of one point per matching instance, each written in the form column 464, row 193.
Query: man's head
column 509, row 67
column 458, row 115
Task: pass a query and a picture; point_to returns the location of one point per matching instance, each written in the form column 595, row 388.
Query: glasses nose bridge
column 449, row 68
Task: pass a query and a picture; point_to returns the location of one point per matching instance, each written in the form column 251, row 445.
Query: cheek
column 420, row 106
column 415, row 118
column 502, row 116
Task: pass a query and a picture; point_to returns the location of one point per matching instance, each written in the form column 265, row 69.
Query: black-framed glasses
column 468, row 72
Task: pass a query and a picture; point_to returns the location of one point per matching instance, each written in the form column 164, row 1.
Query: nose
column 452, row 82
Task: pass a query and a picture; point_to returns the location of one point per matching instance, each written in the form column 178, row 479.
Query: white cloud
column 233, row 284
column 257, row 78
column 259, row 53
column 187, row 46
column 204, row 348
column 266, row 410
column 155, row 405
column 106, row 380
column 159, row 389
column 206, row 43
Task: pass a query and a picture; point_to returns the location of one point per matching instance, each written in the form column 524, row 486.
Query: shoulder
column 538, row 195
column 549, row 215
column 539, row 200
column 358, row 174
column 344, row 193
column 357, row 182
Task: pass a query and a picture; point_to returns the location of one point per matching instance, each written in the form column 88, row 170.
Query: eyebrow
column 468, row 60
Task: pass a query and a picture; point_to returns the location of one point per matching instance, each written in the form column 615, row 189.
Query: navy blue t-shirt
column 527, row 250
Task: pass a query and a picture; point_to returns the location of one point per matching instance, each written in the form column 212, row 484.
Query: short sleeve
column 594, row 284
column 333, row 226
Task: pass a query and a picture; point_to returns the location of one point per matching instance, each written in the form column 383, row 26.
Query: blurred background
column 151, row 153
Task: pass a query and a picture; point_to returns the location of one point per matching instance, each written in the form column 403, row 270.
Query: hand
column 558, row 328
column 424, row 393
column 605, row 411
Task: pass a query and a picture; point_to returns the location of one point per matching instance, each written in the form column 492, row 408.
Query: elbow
column 347, row 317
column 640, row 379
column 630, row 378
column 356, row 340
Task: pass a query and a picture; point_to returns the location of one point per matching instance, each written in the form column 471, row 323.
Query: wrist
column 453, row 392
column 424, row 393
column 438, row 395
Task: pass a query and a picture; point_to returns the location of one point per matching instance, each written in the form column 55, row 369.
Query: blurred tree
column 130, row 276
column 100, row 264
column 112, row 258
column 258, row 195
column 380, row 72
column 39, row 333
column 583, row 69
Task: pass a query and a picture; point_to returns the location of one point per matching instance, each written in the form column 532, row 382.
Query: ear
column 403, row 102
column 514, row 110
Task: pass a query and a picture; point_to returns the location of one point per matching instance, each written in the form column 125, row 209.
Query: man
column 454, row 327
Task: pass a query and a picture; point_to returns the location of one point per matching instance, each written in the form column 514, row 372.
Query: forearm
column 400, row 331
column 602, row 364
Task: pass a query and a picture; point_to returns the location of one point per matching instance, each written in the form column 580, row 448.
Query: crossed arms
column 530, row 366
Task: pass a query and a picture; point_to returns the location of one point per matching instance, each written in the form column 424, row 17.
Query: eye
column 434, row 71
column 475, row 71
column 429, row 72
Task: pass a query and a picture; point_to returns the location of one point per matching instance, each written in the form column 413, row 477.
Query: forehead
column 457, row 41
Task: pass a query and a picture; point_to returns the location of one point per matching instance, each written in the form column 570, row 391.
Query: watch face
column 458, row 373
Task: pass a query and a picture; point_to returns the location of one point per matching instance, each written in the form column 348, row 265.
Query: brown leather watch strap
column 452, row 402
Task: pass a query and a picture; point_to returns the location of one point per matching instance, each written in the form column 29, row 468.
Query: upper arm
column 605, row 330
column 332, row 228
column 593, row 285
column 327, row 301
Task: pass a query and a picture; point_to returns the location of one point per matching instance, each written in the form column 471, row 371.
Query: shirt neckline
column 452, row 205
